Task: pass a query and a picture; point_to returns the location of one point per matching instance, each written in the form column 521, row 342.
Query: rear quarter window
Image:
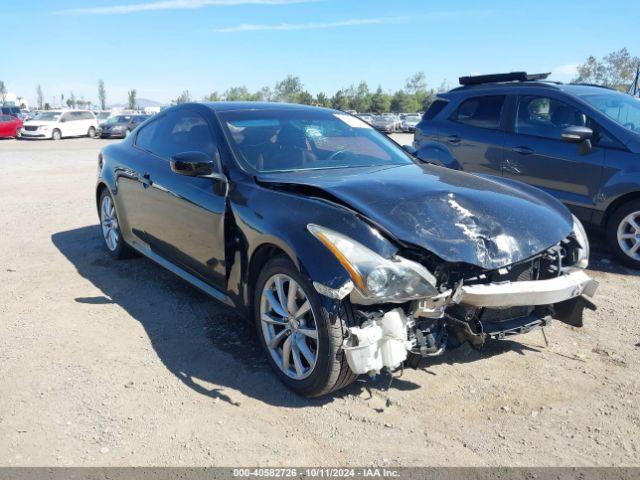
column 481, row 112
column 434, row 109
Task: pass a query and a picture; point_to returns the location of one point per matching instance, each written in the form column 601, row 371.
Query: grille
column 30, row 128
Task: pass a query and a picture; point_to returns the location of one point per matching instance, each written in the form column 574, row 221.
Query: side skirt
column 196, row 282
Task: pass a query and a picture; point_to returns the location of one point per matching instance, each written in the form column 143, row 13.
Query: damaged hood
column 484, row 221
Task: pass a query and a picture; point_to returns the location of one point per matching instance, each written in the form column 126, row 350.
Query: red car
column 10, row 126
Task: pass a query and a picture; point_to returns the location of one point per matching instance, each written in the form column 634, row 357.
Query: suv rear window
column 482, row 112
column 434, row 109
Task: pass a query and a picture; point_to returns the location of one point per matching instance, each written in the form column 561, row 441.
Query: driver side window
column 178, row 132
column 547, row 117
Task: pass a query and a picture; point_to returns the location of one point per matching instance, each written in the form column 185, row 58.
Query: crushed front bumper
column 572, row 284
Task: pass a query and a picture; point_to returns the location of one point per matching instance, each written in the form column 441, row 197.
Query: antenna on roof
column 502, row 77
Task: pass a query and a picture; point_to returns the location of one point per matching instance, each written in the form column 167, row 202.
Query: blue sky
column 161, row 47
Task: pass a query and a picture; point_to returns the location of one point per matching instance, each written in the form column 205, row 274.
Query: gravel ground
column 122, row 363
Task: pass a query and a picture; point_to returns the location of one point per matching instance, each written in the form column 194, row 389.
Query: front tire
column 56, row 135
column 92, row 132
column 623, row 233
column 110, row 228
column 302, row 345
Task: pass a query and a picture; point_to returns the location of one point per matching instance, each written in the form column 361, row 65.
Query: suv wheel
column 92, row 132
column 56, row 135
column 623, row 233
column 302, row 345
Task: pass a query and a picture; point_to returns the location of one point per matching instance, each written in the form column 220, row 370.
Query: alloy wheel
column 628, row 235
column 289, row 326
column 109, row 223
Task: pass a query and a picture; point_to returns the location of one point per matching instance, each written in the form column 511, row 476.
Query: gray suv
column 579, row 143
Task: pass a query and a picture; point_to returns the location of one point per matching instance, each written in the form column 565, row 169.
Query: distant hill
column 142, row 103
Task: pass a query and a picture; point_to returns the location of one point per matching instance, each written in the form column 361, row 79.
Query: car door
column 474, row 134
column 536, row 154
column 184, row 216
column 67, row 124
column 4, row 125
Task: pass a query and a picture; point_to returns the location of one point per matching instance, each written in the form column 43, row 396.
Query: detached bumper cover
column 536, row 292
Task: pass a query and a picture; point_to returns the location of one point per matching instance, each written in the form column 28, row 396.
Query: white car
column 56, row 124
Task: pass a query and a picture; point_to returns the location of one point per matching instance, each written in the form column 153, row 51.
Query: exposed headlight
column 375, row 277
column 583, row 241
column 43, row 127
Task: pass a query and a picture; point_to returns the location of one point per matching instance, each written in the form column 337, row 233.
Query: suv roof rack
column 502, row 77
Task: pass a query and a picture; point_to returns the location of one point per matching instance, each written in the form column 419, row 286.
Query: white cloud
column 252, row 27
column 171, row 5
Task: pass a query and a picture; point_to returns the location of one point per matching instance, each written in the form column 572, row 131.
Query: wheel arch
column 617, row 203
column 261, row 255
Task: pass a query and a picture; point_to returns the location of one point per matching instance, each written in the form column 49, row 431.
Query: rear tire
column 92, row 132
column 330, row 371
column 623, row 233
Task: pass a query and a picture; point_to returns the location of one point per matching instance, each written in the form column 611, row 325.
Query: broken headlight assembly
column 581, row 237
column 377, row 278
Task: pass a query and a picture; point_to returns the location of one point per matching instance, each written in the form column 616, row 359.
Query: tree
column 288, row 89
column 237, row 94
column 102, row 95
column 3, row 92
column 403, row 102
column 212, row 97
column 615, row 70
column 361, row 100
column 340, row 101
column 184, row 97
column 305, row 98
column 40, row 97
column 380, row 101
column 47, row 106
column 132, row 94
column 71, row 101
column 416, row 83
column 322, row 100
column 265, row 94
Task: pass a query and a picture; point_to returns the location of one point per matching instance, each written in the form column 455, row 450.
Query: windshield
column 412, row 118
column 623, row 109
column 103, row 115
column 49, row 116
column 285, row 140
column 119, row 119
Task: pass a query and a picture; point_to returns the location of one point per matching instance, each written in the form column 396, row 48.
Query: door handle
column 522, row 150
column 453, row 139
column 145, row 180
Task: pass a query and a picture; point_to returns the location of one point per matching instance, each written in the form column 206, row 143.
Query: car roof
column 570, row 88
column 231, row 106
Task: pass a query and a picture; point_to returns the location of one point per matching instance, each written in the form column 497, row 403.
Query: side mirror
column 410, row 149
column 580, row 135
column 576, row 134
column 62, row 120
column 192, row 164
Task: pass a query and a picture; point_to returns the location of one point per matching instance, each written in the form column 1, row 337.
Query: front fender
column 268, row 217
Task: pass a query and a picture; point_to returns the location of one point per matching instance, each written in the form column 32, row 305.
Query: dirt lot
column 108, row 363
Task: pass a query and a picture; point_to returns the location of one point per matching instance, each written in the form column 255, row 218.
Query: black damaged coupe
column 349, row 255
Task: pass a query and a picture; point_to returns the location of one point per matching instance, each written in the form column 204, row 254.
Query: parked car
column 120, row 126
column 10, row 126
column 57, row 124
column 347, row 253
column 579, row 143
column 103, row 115
column 366, row 117
column 14, row 111
column 410, row 121
column 383, row 123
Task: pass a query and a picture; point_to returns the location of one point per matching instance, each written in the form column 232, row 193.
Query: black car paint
column 220, row 230
column 591, row 185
